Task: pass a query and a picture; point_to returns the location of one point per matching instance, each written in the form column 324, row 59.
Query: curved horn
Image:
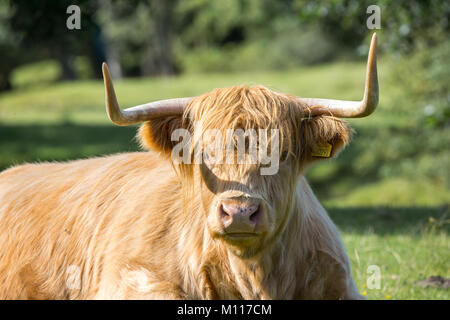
column 141, row 113
column 351, row 109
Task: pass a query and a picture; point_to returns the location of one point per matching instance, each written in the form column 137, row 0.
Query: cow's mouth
column 241, row 235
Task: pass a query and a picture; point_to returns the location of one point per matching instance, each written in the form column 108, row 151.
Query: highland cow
column 142, row 226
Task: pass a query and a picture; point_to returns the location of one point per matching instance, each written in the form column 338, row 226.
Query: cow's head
column 244, row 148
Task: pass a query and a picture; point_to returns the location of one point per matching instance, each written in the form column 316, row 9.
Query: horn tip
column 374, row 38
column 105, row 69
column 373, row 46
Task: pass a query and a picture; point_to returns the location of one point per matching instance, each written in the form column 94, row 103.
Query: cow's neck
column 270, row 275
column 260, row 278
column 217, row 273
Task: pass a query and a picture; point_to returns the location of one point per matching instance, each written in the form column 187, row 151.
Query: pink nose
column 238, row 217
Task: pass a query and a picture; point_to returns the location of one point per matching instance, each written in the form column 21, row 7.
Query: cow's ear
column 156, row 134
column 323, row 137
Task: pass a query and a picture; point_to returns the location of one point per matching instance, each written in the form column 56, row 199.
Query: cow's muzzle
column 240, row 219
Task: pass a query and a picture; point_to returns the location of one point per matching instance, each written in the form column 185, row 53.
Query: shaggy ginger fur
column 134, row 226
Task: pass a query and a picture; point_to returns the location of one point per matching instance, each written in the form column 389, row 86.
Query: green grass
column 407, row 244
column 388, row 192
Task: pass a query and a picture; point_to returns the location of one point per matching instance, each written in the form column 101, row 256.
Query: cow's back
column 59, row 220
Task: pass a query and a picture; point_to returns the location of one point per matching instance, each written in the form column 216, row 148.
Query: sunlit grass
column 407, row 245
column 53, row 102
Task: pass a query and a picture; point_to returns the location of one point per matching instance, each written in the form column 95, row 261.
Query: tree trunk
column 98, row 51
column 159, row 57
column 66, row 61
column 110, row 51
column 5, row 82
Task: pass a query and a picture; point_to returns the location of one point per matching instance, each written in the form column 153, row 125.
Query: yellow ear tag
column 322, row 149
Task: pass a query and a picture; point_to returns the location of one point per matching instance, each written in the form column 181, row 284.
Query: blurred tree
column 39, row 30
column 218, row 23
column 246, row 34
column 140, row 35
column 9, row 47
column 160, row 37
column 409, row 24
column 125, row 25
column 159, row 57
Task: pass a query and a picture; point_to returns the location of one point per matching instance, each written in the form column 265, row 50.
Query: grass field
column 388, row 191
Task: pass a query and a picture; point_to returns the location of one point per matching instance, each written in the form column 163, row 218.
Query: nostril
column 225, row 216
column 254, row 217
column 223, row 213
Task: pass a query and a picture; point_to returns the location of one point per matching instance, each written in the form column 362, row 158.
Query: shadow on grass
column 391, row 221
column 60, row 142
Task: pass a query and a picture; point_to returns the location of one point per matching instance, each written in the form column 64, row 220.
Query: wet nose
column 239, row 217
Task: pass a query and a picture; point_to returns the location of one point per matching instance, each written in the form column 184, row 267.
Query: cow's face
column 248, row 147
column 245, row 209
